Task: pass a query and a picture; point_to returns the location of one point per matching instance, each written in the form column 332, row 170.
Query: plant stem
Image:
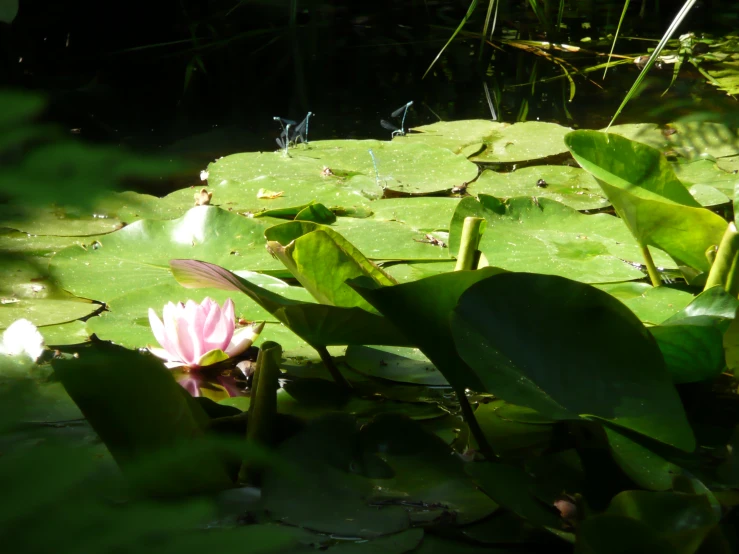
column 469, row 255
column 726, row 254
column 328, row 361
column 262, row 412
column 651, row 268
column 475, row 429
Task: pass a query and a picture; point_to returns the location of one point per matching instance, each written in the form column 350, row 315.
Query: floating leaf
column 525, row 141
column 571, row 186
column 406, row 365
column 548, row 237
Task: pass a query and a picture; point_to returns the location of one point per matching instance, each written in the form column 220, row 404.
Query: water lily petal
column 218, row 328
column 160, row 334
column 244, row 338
column 189, row 339
column 161, row 353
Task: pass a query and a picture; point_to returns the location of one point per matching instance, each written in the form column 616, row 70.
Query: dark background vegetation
column 205, row 78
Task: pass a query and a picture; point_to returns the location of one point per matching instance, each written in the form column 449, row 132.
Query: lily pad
column 137, row 257
column 466, row 137
column 511, row 438
column 525, row 141
column 706, row 172
column 425, row 472
column 571, row 186
column 420, row 214
column 45, row 311
column 652, row 305
column 324, row 454
column 695, row 139
column 646, row 133
column 236, row 180
column 401, row 166
column 548, row 237
column 406, row 365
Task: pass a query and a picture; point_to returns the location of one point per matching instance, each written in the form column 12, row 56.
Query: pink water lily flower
column 196, row 335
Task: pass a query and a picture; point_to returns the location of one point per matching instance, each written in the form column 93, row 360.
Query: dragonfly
column 292, row 131
column 397, row 113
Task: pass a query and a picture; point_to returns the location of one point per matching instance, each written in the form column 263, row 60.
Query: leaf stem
column 651, row 268
column 475, row 429
column 262, row 413
column 723, row 268
column 469, row 255
column 328, row 361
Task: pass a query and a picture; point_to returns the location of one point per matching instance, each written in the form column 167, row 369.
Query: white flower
column 22, row 337
column 204, row 175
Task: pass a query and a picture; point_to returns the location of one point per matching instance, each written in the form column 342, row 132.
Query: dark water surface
column 204, row 79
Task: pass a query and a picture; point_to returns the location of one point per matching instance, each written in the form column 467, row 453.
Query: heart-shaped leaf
column 567, row 374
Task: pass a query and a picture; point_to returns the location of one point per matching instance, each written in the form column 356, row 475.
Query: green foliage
column 516, row 403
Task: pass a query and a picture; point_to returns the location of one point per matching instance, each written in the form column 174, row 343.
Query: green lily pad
column 510, row 437
column 708, row 196
column 525, row 141
column 405, row 541
column 706, row 172
column 682, row 519
column 403, row 273
column 26, row 292
column 565, row 376
column 45, row 311
column 402, row 166
column 63, row 334
column 377, row 240
column 614, row 534
column 695, row 139
column 406, row 365
column 730, row 164
column 389, row 240
column 466, row 137
column 647, row 195
column 420, row 214
column 638, row 458
column 652, row 305
column 236, row 180
column 551, row 238
column 69, row 221
column 510, row 487
column 137, row 257
column 425, row 472
column 324, row 453
column 646, row 133
column 571, row 186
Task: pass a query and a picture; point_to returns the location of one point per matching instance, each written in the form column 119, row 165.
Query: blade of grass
column 670, row 31
column 467, row 16
column 615, row 37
